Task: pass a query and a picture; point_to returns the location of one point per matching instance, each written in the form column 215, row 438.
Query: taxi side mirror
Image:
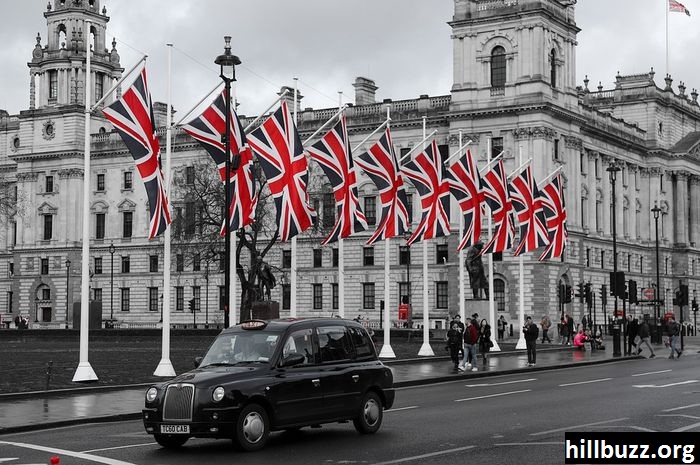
column 197, row 361
column 292, row 360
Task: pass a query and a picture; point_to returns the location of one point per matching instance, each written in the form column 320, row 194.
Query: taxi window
column 334, row 343
column 363, row 344
column 300, row 342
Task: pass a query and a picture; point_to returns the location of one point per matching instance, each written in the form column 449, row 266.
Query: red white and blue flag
column 430, row 178
column 208, row 129
column 465, row 186
column 332, row 152
column 528, row 209
column 382, row 167
column 496, row 195
column 677, row 7
column 281, row 156
column 132, row 117
column 552, row 200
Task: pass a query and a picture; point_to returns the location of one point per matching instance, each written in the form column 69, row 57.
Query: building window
column 49, row 184
column 496, row 146
column 409, row 206
column 126, row 264
column 498, row 67
column 196, row 262
column 602, row 259
column 368, row 296
column 196, row 295
column 128, row 180
column 222, row 299
column 44, row 266
column 97, row 294
column 100, row 226
column 318, row 258
column 46, row 294
column 441, row 294
column 499, row 294
column 334, row 296
column 98, row 265
column 556, row 149
column 190, row 221
column 99, row 90
column 317, row 207
column 101, row 182
column 286, row 259
column 179, row 299
column 125, row 306
column 368, row 256
column 584, row 210
column 153, row 263
column 404, row 255
column 152, row 299
column 189, row 175
column 318, row 296
column 371, row 210
column 48, row 227
column 222, row 261
column 553, row 68
column 641, row 264
column 286, row 296
column 335, row 258
column 404, row 292
column 441, row 256
column 53, row 84
column 179, row 262
column 629, row 263
column 128, row 221
column 177, row 222
column 328, row 210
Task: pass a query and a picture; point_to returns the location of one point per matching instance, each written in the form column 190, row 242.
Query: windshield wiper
column 218, row 364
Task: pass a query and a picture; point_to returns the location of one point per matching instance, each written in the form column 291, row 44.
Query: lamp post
column 67, row 286
column 612, row 171
column 206, row 295
column 409, row 315
column 657, row 325
column 227, row 63
column 111, row 281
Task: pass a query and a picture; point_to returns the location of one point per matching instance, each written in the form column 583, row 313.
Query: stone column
column 680, row 208
column 592, row 189
column 647, row 219
column 607, row 194
column 695, row 211
column 632, row 179
column 32, row 90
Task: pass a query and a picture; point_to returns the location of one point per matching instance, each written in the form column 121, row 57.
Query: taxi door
column 341, row 376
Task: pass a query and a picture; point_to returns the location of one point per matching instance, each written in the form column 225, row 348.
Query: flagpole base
column 164, row 369
column 84, row 373
column 496, row 347
column 387, row 352
column 426, row 350
column 521, row 343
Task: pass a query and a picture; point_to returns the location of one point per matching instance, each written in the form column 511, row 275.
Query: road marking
column 9, row 459
column 501, row 384
column 692, row 417
column 493, row 395
column 686, row 428
column 70, row 453
column 567, row 428
column 552, row 443
column 119, row 447
column 681, row 408
column 585, row 382
column 402, row 408
column 424, row 456
column 652, row 372
column 690, row 381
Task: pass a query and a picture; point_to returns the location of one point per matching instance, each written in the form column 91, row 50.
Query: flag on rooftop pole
column 552, row 200
column 496, row 196
column 208, row 129
column 524, row 196
column 132, row 117
column 677, row 7
column 466, row 187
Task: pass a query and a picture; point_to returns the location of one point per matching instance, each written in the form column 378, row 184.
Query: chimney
column 289, row 98
column 160, row 113
column 364, row 91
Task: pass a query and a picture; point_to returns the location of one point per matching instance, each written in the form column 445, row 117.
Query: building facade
column 514, row 90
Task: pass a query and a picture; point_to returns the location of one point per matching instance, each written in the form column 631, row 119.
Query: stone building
column 514, row 90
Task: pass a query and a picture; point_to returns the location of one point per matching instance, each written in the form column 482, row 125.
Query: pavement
column 49, row 409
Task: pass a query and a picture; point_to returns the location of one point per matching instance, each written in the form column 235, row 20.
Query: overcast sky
column 404, row 45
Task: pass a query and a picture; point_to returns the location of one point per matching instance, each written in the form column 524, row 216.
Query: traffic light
column 633, row 291
column 587, row 292
column 580, row 293
column 683, row 294
column 567, row 294
column 695, row 305
column 560, row 293
column 604, row 295
column 617, row 284
column 191, row 304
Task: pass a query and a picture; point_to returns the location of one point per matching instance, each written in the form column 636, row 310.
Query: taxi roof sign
column 253, row 324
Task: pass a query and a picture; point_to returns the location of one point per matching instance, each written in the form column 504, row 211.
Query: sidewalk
column 38, row 411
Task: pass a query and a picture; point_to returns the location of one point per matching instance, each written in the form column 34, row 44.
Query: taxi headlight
column 151, row 394
column 218, row 394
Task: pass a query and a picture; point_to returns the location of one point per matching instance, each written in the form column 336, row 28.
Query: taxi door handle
column 317, row 382
column 355, row 378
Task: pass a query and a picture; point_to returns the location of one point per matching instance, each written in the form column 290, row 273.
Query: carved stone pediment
column 99, row 207
column 47, row 209
column 126, row 205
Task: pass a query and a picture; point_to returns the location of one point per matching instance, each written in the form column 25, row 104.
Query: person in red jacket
column 471, row 337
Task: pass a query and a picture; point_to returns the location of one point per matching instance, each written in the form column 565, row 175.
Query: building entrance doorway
column 45, row 313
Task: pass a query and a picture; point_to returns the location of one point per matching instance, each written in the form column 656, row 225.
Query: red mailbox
column 403, row 312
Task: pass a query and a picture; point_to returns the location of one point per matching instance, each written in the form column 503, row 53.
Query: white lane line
column 552, row 443
column 574, row 427
column 679, row 415
column 652, row 373
column 9, row 459
column 70, row 453
column 690, row 381
column 493, row 395
column 424, row 456
column 585, row 382
column 501, row 384
column 119, row 447
column 681, row 408
column 401, row 408
column 686, row 428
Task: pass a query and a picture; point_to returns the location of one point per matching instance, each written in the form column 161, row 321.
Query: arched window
column 553, row 68
column 499, row 294
column 498, row 67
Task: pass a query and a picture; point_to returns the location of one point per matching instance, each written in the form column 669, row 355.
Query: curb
column 71, row 422
column 70, row 391
column 439, row 358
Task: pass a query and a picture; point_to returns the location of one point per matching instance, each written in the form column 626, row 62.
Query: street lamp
column 409, row 315
column 657, row 333
column 206, row 296
column 227, row 62
column 612, row 171
column 111, row 281
column 67, row 285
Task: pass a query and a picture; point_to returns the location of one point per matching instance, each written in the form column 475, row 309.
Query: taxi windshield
column 241, row 347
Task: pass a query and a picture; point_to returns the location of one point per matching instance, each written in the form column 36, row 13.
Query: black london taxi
column 262, row 376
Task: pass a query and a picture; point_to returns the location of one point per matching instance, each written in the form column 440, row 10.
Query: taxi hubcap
column 253, row 427
column 371, row 412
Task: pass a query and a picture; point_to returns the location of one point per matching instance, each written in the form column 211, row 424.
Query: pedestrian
column 458, row 319
column 546, row 323
column 485, row 342
column 454, row 343
column 674, row 330
column 564, row 331
column 502, row 325
column 584, row 323
column 531, row 332
column 643, row 334
column 632, row 332
column 570, row 322
column 580, row 340
column 471, row 337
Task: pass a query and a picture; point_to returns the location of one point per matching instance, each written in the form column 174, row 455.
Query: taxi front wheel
column 170, row 441
column 370, row 416
column 252, row 428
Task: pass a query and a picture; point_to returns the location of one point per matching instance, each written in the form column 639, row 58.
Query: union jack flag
column 528, row 209
column 465, row 186
column 382, row 167
column 430, row 178
column 207, row 129
column 332, row 152
column 552, row 199
column 281, row 156
column 496, row 196
column 132, row 117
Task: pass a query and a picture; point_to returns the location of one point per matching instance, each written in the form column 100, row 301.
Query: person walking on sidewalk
column 632, row 331
column 564, row 331
column 485, row 342
column 471, row 337
column 674, row 330
column 454, row 343
column 502, row 324
column 531, row 332
column 643, row 333
column 546, row 323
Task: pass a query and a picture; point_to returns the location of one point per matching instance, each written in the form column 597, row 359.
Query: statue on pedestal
column 475, row 268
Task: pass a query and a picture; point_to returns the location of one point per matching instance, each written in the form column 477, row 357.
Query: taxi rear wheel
column 252, row 428
column 371, row 414
column 170, row 441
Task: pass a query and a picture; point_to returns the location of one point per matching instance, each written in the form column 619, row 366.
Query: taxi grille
column 178, row 402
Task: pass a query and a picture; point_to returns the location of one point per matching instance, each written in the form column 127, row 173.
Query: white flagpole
column 387, row 351
column 668, row 70
column 372, row 133
column 492, row 302
column 425, row 349
column 252, row 123
column 198, row 103
column 461, row 258
column 410, row 152
column 84, row 372
column 293, row 290
column 165, row 367
column 341, row 247
column 324, row 125
column 521, row 280
column 232, row 262
column 457, row 152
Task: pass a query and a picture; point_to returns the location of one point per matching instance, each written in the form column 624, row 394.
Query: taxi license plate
column 175, row 429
